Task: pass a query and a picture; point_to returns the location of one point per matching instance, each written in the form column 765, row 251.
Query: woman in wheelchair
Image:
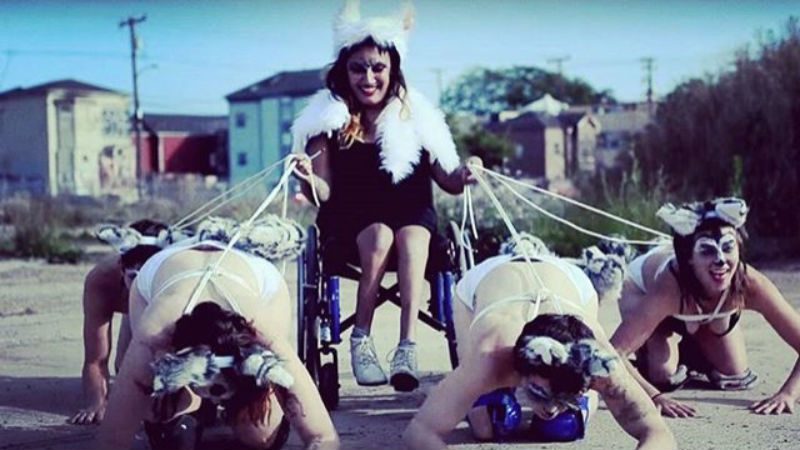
column 376, row 144
column 214, row 344
column 530, row 322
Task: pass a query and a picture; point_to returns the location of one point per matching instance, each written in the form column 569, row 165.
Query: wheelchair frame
column 319, row 314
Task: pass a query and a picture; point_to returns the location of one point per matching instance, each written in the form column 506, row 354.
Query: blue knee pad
column 568, row 426
column 504, row 411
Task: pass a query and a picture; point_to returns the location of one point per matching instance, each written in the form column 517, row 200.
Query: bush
column 36, row 231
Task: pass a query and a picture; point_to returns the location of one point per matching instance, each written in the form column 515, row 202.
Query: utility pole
column 131, row 23
column 558, row 61
column 648, row 66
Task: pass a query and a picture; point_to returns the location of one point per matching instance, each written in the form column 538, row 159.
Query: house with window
column 66, row 137
column 260, row 120
column 620, row 123
column 552, row 140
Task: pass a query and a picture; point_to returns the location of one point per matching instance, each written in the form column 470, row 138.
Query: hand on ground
column 670, row 407
column 90, row 415
column 777, row 404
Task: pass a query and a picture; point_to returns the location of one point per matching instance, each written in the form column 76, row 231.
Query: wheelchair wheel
column 329, row 385
column 310, row 354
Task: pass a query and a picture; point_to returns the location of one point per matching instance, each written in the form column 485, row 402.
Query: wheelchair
column 320, row 268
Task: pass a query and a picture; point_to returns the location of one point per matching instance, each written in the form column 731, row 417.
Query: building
column 552, row 140
column 620, row 124
column 66, row 137
column 260, row 120
column 179, row 144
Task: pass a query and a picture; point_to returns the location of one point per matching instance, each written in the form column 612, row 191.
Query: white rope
column 243, row 187
column 212, row 268
column 571, row 224
column 543, row 291
column 511, row 180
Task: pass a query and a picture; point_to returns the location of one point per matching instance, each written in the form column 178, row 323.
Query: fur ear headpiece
column 124, row 239
column 606, row 271
column 271, row 238
column 585, row 356
column 199, row 369
column 526, row 244
column 350, row 29
column 685, row 219
column 402, row 131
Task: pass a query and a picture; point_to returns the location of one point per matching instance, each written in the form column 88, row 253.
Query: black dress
column 362, row 194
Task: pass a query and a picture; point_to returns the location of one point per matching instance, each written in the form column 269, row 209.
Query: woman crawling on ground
column 698, row 288
column 227, row 355
column 530, row 321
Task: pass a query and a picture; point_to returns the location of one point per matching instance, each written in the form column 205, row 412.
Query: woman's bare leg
column 412, row 244
column 374, row 244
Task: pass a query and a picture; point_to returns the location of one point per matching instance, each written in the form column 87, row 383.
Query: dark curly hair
column 137, row 256
column 226, row 333
column 564, row 380
column 338, row 83
column 690, row 287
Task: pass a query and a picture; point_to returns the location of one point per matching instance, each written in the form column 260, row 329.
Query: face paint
column 719, row 249
column 540, row 395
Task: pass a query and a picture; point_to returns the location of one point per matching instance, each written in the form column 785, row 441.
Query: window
column 241, row 159
column 241, row 120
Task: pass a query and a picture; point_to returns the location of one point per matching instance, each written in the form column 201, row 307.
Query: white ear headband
column 684, row 220
column 124, row 239
column 585, row 355
column 198, row 367
column 350, row 29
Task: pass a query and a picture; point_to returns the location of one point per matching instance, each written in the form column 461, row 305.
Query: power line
column 558, row 61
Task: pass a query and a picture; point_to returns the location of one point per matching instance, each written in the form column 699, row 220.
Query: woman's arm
column 302, row 403
column 454, row 182
column 764, row 297
column 641, row 314
column 97, row 315
column 448, row 402
column 315, row 174
column 130, row 399
column 634, row 411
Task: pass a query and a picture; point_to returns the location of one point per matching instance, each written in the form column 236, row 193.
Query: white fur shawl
column 402, row 135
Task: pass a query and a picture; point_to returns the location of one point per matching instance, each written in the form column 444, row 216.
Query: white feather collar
column 402, row 135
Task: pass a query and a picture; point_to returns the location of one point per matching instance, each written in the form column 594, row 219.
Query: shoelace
column 366, row 353
column 401, row 356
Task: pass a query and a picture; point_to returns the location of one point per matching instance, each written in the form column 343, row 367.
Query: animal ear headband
column 198, row 367
column 585, row 356
column 124, row 239
column 685, row 219
column 350, row 29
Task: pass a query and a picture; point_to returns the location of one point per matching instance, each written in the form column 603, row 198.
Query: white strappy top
column 267, row 275
column 468, row 285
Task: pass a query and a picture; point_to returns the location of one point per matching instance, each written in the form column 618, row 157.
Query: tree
column 491, row 148
column 738, row 131
column 485, row 91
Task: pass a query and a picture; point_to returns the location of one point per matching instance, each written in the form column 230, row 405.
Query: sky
column 195, row 52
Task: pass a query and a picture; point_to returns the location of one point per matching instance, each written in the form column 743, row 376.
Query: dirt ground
column 41, row 356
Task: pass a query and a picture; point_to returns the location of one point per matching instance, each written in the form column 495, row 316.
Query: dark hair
column 226, row 333
column 564, row 328
column 690, row 287
column 338, row 83
column 141, row 253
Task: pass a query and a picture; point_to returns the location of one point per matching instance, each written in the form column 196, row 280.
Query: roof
column 186, row 123
column 531, row 120
column 570, row 118
column 546, row 104
column 298, row 83
column 67, row 84
column 624, row 121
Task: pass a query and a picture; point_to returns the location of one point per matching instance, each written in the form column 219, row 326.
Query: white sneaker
column 364, row 361
column 403, row 368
